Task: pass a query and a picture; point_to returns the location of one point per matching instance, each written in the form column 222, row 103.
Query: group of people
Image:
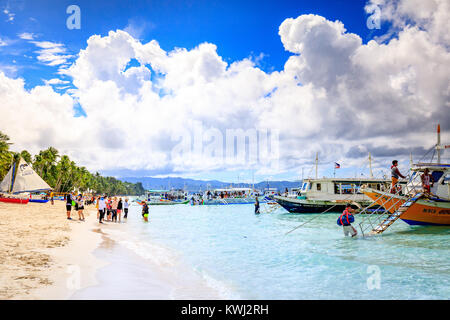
column 76, row 202
column 111, row 207
column 426, row 179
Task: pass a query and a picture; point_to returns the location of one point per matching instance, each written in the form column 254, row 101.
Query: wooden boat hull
column 229, row 201
column 387, row 200
column 423, row 212
column 14, row 200
column 306, row 206
column 428, row 212
column 165, row 203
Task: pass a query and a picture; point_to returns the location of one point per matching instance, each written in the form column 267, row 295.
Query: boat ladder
column 378, row 223
column 386, row 223
column 379, row 220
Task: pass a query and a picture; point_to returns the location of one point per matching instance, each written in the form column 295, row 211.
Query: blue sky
column 239, row 29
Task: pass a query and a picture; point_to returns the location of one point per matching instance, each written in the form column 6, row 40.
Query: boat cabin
column 441, row 178
column 326, row 187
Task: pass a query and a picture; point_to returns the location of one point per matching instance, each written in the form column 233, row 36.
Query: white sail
column 27, row 180
column 6, row 183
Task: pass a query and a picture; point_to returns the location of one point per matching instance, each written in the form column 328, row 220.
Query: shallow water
column 246, row 256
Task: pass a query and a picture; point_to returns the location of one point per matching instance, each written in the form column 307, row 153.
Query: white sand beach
column 45, row 256
column 40, row 250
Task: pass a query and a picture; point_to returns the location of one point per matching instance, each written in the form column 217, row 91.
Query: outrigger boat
column 20, row 181
column 166, row 197
column 319, row 195
column 412, row 204
column 329, row 194
column 227, row 196
column 433, row 209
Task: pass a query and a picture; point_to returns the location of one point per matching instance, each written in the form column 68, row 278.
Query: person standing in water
column 101, row 209
column 119, row 209
column 145, row 211
column 257, row 206
column 345, row 220
column 125, row 208
column 114, row 205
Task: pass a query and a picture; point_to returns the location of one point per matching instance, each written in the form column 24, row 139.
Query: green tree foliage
column 62, row 174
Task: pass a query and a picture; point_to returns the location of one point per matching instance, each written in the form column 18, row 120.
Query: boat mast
column 12, row 176
column 438, row 145
column 317, row 162
column 410, row 160
column 370, row 165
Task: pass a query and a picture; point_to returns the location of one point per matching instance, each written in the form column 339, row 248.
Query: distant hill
column 193, row 185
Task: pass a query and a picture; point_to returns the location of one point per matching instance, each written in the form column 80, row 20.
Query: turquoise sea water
column 248, row 256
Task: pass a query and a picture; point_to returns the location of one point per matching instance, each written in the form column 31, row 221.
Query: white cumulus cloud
column 335, row 95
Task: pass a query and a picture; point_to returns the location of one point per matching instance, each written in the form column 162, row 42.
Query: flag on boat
column 337, row 165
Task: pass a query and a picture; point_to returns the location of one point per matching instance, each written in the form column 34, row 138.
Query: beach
column 45, row 256
column 38, row 246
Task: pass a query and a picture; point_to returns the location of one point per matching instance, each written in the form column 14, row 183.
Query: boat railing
column 389, row 202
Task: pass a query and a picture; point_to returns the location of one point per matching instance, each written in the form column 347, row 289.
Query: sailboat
column 21, row 180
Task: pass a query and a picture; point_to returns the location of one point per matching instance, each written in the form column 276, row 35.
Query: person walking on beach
column 114, row 205
column 427, row 181
column 119, row 209
column 80, row 206
column 125, row 208
column 108, row 209
column 101, row 209
column 96, row 207
column 68, row 205
column 395, row 173
column 345, row 220
column 257, row 206
column 51, row 198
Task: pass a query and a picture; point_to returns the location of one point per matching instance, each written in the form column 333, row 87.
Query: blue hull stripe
column 420, row 223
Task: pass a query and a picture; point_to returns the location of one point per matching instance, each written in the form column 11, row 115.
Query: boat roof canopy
column 234, row 189
column 432, row 166
column 349, row 180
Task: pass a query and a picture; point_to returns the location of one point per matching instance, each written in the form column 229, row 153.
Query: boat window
column 344, row 188
column 437, row 175
column 446, row 179
column 319, row 187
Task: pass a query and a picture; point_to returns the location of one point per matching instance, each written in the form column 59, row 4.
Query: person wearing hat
column 346, row 219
